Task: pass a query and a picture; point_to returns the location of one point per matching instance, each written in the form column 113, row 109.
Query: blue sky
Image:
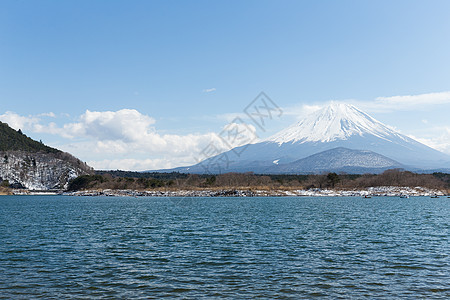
column 146, row 84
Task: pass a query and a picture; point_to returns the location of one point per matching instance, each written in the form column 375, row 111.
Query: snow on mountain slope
column 338, row 160
column 338, row 121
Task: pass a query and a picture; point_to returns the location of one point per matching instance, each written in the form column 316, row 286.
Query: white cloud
column 128, row 132
column 19, row 122
column 237, row 134
column 49, row 114
column 127, row 139
column 379, row 104
column 32, row 123
column 209, row 90
column 127, row 125
column 403, row 102
column 131, row 164
column 302, row 111
column 428, row 99
column 437, row 138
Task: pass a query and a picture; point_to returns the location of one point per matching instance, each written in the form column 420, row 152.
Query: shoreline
column 390, row 191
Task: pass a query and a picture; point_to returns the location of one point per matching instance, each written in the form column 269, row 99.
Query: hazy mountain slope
column 338, row 160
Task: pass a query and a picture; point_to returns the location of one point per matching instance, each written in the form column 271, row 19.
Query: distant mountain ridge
column 334, row 126
column 26, row 163
column 339, row 160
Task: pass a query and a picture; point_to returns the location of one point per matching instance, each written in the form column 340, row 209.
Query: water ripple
column 245, row 248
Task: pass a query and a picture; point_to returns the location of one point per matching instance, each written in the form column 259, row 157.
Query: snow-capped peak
column 337, row 121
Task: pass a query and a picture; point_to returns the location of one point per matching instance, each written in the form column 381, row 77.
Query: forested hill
column 12, row 140
column 26, row 163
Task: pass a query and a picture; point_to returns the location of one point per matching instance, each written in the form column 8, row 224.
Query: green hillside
column 12, row 140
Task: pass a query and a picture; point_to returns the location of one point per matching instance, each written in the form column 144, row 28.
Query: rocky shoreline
column 368, row 192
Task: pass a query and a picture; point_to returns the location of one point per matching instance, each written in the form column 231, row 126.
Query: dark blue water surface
column 239, row 248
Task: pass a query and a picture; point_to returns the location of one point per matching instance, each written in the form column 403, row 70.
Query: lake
column 57, row 247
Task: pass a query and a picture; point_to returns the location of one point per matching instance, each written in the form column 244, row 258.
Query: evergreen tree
column 333, row 178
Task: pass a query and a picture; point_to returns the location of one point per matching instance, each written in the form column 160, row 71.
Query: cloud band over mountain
column 129, row 139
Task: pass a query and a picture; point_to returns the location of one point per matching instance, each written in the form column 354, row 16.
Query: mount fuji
column 334, row 131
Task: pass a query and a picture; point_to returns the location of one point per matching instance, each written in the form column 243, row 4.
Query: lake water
column 57, row 247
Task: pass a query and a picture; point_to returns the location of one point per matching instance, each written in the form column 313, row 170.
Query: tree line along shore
column 122, row 180
column 390, row 182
